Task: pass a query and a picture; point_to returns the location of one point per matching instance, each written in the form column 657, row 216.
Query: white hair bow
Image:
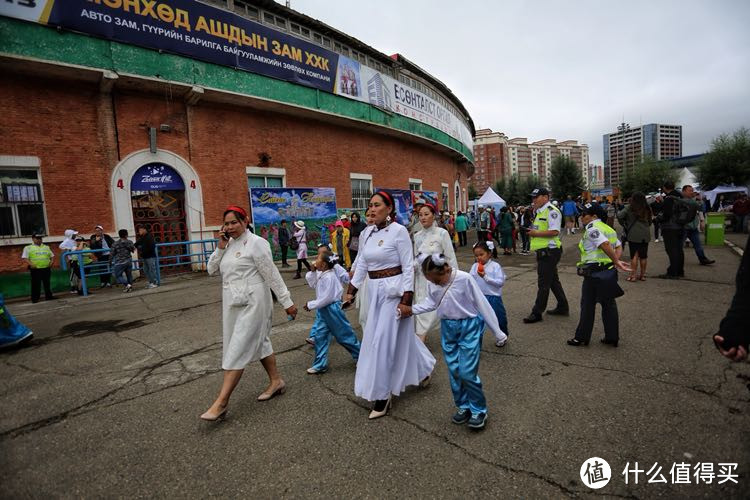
column 333, row 258
column 421, row 257
column 491, row 245
column 437, row 259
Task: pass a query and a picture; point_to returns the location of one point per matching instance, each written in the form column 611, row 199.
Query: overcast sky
column 570, row 69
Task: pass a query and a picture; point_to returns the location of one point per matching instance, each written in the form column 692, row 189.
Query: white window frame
column 445, row 188
column 415, row 181
column 359, row 177
column 12, row 162
column 267, row 172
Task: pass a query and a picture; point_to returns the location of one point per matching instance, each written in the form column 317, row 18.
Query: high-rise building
column 490, row 159
column 627, row 146
column 535, row 159
column 496, row 157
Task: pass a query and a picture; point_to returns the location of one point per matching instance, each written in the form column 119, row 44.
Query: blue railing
column 194, row 253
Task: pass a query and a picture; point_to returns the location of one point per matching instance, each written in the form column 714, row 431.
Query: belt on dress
column 384, row 273
column 245, row 281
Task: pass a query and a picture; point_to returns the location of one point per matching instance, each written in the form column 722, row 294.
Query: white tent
column 711, row 195
column 687, row 177
column 491, row 199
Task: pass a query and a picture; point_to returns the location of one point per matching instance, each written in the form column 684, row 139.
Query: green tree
column 727, row 162
column 473, row 195
column 500, row 187
column 647, row 176
column 525, row 187
column 565, row 178
column 513, row 192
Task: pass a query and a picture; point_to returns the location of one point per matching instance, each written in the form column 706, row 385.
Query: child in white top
column 329, row 318
column 490, row 277
column 464, row 312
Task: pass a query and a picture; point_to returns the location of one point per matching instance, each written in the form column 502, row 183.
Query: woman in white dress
column 391, row 357
column 248, row 276
column 429, row 240
column 301, row 236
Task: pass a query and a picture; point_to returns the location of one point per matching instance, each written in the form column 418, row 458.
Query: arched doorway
column 157, row 195
column 162, row 191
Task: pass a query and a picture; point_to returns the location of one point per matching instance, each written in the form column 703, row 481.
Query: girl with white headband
column 464, row 312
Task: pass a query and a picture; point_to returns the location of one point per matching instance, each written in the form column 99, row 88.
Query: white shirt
column 593, row 237
column 327, row 288
column 384, row 249
column 341, row 274
column 460, row 299
column 493, row 280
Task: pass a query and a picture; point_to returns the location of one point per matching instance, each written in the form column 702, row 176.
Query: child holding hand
column 329, row 318
column 464, row 312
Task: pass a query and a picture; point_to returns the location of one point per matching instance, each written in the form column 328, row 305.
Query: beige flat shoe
column 265, row 396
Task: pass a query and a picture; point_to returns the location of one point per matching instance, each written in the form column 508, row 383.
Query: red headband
column 431, row 207
column 386, row 196
column 239, row 210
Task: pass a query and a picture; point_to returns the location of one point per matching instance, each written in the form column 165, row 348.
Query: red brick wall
column 71, row 128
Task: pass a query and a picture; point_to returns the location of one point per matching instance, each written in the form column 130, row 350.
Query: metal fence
column 193, row 257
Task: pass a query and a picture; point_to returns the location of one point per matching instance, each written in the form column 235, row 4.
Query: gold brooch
column 380, row 243
column 238, row 254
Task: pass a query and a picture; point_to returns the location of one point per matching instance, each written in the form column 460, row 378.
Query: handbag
column 293, row 243
column 354, row 243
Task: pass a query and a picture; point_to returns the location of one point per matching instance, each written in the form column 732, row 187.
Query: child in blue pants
column 329, row 319
column 342, row 276
column 490, row 277
column 464, row 313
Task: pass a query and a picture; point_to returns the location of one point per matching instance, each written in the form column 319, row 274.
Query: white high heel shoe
column 377, row 414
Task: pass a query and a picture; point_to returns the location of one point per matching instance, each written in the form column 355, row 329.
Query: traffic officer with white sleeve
column 598, row 266
column 545, row 242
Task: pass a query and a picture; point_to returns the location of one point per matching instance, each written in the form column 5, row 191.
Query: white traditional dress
column 392, row 357
column 430, row 240
column 248, row 276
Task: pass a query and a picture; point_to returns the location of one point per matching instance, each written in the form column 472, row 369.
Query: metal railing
column 196, row 255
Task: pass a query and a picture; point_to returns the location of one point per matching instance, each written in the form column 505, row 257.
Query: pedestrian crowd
column 100, row 254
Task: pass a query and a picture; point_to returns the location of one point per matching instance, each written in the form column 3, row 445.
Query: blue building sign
column 156, row 177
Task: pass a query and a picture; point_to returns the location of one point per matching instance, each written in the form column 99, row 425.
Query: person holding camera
column 248, row 275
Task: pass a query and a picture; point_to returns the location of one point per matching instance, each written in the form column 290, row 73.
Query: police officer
column 38, row 257
column 600, row 258
column 545, row 241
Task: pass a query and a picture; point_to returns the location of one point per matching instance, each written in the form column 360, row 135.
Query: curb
column 734, row 248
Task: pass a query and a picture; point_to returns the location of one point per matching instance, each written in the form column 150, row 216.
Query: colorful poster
column 402, row 199
column 419, row 197
column 316, row 207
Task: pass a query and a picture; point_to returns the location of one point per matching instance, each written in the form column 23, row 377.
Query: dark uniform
column 599, row 283
column 548, row 251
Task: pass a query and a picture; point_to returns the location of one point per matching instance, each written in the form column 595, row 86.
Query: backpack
column 293, row 243
column 683, row 211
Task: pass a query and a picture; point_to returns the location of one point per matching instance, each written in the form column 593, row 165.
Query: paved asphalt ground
column 105, row 401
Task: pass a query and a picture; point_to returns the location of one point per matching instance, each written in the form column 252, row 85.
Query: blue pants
column 332, row 322
column 149, row 268
column 496, row 302
column 462, row 341
column 695, row 238
column 123, row 268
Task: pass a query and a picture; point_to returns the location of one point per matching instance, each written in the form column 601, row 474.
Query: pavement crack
column 125, row 337
column 140, row 377
column 356, row 401
column 696, row 388
column 40, row 371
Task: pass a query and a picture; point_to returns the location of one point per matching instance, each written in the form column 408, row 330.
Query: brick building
column 84, row 115
column 497, row 157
